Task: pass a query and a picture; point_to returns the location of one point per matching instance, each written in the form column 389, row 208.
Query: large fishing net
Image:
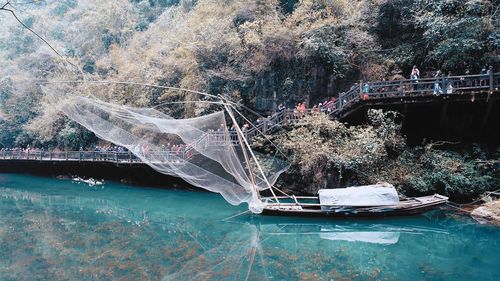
column 201, row 150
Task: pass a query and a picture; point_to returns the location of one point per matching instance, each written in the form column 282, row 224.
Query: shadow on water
column 68, row 232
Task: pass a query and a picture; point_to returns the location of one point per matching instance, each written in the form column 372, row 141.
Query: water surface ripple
column 58, row 230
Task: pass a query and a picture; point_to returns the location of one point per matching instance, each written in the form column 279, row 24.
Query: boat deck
column 410, row 206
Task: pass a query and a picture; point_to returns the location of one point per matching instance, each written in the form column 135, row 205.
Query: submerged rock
column 63, row 177
column 488, row 213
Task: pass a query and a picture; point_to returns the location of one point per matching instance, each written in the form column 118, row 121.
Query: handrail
column 103, row 156
column 452, row 85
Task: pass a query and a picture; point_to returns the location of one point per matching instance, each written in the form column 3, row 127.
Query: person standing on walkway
column 489, row 72
column 437, row 81
column 366, row 88
column 483, row 76
column 415, row 72
column 302, row 110
column 414, row 76
column 281, row 108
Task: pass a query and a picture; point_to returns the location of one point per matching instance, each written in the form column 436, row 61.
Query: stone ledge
column 488, row 213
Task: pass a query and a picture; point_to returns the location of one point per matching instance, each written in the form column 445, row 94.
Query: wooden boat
column 311, row 206
column 376, row 200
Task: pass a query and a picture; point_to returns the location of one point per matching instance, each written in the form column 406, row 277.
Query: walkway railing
column 103, row 156
column 408, row 88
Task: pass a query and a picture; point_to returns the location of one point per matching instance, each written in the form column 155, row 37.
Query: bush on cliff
column 327, row 154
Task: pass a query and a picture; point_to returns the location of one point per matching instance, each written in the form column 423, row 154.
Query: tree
column 451, row 35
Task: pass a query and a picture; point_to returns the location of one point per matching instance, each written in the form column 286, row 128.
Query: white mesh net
column 200, row 150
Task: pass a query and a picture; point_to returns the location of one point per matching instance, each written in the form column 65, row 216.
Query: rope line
column 460, row 206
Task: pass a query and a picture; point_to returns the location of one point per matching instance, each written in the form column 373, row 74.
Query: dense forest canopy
column 252, row 50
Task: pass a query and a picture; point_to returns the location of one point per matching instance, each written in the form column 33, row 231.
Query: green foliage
column 450, row 173
column 25, row 45
column 326, row 44
column 89, row 66
column 162, row 3
column 72, row 136
column 329, row 154
column 288, row 5
column 451, row 35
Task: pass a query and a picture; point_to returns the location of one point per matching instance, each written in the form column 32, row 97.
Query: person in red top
column 315, row 109
column 303, row 109
column 298, row 110
column 330, row 105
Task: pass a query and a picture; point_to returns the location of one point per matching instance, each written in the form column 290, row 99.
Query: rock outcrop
column 488, row 213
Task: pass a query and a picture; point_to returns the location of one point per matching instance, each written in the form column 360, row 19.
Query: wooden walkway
column 399, row 91
column 403, row 90
column 90, row 156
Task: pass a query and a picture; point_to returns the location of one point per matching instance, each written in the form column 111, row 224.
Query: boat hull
column 399, row 210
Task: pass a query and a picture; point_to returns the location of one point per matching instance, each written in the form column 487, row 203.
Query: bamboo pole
column 241, row 137
column 252, row 177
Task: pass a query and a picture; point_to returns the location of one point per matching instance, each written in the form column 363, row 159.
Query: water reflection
column 59, row 237
column 368, row 231
column 360, row 236
column 99, row 205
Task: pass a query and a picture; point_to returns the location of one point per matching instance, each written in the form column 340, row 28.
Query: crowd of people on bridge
column 433, row 85
column 328, row 106
column 301, row 110
column 437, row 84
column 108, row 148
column 383, row 89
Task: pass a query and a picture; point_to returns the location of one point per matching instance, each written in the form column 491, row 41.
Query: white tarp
column 370, row 195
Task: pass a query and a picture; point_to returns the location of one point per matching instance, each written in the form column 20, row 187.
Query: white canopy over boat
column 382, row 194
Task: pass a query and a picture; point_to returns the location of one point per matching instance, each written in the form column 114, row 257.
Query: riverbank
column 128, row 173
column 488, row 213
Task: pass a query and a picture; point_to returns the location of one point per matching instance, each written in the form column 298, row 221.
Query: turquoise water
column 58, row 230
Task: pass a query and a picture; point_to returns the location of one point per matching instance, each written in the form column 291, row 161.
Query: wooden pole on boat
column 242, row 140
column 252, row 177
